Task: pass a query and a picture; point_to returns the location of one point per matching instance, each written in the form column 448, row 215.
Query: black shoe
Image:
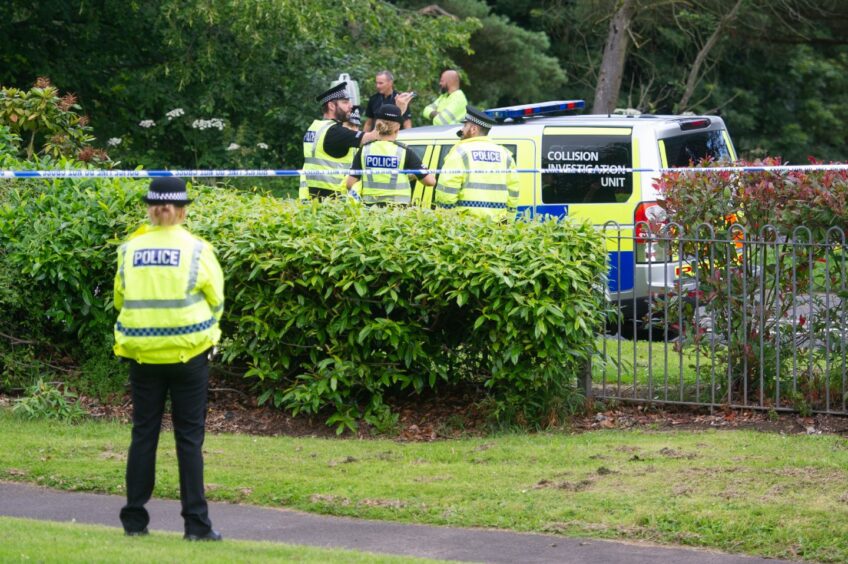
column 212, row 535
column 142, row 533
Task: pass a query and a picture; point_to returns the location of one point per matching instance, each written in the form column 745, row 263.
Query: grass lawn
column 659, row 372
column 652, row 361
column 738, row 491
column 44, row 541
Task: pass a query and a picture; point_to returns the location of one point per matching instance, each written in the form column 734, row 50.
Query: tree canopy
column 231, row 83
column 178, row 83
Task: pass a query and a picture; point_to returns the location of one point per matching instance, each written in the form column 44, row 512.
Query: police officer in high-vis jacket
column 328, row 147
column 480, row 175
column 169, row 290
column 377, row 163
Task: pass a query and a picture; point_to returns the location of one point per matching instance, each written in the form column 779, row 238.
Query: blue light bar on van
column 540, row 109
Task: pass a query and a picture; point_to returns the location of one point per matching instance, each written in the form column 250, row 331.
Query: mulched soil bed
column 232, row 409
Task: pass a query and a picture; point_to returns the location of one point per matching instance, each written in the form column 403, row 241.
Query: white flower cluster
column 146, row 123
column 217, row 123
column 175, row 113
column 114, row 141
column 262, row 145
column 233, row 147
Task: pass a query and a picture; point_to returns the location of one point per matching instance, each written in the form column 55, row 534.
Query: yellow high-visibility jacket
column 450, row 108
column 385, row 186
column 169, row 289
column 314, row 158
column 491, row 192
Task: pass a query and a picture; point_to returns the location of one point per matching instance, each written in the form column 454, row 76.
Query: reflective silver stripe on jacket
column 397, row 198
column 123, row 262
column 392, row 185
column 324, row 162
column 194, row 266
column 325, row 178
column 466, row 164
column 449, row 114
column 484, row 186
column 164, row 304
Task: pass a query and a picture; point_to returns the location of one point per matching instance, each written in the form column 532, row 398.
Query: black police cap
column 167, row 190
column 390, row 112
column 478, row 117
column 337, row 92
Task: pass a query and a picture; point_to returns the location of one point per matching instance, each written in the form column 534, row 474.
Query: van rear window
column 690, row 148
column 586, row 169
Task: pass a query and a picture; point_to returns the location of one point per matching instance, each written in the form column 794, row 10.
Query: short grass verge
column 26, row 540
column 656, row 370
column 654, row 364
column 738, row 491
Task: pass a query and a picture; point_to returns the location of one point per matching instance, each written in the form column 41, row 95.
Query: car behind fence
column 737, row 319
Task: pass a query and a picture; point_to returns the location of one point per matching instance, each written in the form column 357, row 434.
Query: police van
column 598, row 167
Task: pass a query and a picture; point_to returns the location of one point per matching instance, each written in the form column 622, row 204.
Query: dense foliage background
column 230, row 83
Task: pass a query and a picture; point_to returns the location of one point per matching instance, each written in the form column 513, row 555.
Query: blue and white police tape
column 564, row 169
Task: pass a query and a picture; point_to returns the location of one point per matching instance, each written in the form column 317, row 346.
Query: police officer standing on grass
column 382, row 159
column 449, row 107
column 481, row 177
column 169, row 290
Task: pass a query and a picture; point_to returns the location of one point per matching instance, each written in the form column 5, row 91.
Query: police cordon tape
column 214, row 173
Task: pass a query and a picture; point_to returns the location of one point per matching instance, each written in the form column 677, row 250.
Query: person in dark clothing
column 386, row 94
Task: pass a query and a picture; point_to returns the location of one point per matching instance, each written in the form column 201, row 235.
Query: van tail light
column 648, row 220
column 691, row 124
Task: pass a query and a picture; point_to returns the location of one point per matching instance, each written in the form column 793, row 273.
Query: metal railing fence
column 737, row 319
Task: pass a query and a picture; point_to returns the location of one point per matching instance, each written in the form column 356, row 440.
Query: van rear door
column 422, row 195
column 587, row 172
column 584, row 173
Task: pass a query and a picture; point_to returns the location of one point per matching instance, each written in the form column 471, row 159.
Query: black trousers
column 188, row 386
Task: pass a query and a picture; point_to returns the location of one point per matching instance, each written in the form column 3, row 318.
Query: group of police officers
column 478, row 176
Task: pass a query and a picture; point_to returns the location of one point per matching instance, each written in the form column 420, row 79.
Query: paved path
column 294, row 527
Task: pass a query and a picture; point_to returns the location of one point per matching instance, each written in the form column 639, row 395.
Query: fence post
column 584, row 379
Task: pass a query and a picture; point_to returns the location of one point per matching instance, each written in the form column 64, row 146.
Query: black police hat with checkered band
column 167, row 190
column 337, row 92
column 478, row 117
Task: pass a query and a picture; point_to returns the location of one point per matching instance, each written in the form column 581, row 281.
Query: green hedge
column 57, row 261
column 328, row 305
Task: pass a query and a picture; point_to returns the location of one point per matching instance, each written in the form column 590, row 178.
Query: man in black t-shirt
column 386, row 93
